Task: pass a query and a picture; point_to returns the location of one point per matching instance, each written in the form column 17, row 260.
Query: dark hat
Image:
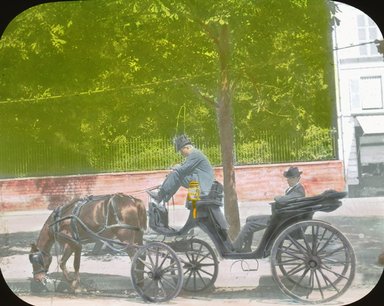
column 181, row 141
column 292, row 172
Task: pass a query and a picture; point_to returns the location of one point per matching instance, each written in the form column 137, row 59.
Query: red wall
column 253, row 183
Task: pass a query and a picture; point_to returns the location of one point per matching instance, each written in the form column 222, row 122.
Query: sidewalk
column 16, row 221
column 111, row 272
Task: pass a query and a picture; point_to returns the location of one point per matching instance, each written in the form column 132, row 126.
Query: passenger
column 196, row 167
column 255, row 223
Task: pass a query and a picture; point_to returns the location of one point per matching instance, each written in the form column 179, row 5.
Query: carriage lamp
column 194, row 195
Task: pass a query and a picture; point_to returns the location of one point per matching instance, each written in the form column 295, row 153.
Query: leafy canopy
column 79, row 73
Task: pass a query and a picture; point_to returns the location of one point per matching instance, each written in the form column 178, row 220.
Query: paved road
column 361, row 220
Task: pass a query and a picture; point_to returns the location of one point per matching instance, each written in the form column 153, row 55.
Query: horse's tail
column 141, row 213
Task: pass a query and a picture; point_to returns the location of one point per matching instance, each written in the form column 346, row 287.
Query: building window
column 366, row 93
column 354, row 94
column 371, row 92
column 367, row 32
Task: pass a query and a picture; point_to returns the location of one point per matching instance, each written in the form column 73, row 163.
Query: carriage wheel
column 156, row 272
column 313, row 262
column 200, row 266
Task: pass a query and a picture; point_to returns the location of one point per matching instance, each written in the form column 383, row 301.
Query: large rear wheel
column 313, row 262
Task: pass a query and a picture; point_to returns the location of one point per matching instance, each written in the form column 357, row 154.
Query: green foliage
column 255, row 152
column 77, row 74
column 317, row 144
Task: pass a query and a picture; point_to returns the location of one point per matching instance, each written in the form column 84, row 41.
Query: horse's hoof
column 37, row 287
column 77, row 290
column 381, row 259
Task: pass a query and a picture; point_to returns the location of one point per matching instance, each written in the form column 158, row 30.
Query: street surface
column 361, row 220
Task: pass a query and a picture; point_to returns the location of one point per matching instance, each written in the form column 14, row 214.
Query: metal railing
column 33, row 159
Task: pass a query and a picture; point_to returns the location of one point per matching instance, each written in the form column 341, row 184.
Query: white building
column 360, row 106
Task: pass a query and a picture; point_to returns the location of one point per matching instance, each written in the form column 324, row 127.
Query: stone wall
column 253, row 183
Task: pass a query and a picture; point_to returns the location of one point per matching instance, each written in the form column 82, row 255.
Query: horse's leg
column 140, row 274
column 67, row 252
column 128, row 237
column 76, row 265
column 132, row 239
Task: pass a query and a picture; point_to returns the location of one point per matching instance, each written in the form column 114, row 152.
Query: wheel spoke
column 296, row 270
column 297, row 244
column 145, row 263
column 291, row 254
column 315, row 238
column 160, row 286
column 326, row 242
column 305, row 238
column 162, row 262
column 203, row 271
column 151, row 261
column 205, row 257
column 319, row 284
column 310, row 282
column 156, row 254
column 189, row 276
column 328, row 281
column 170, row 284
column 333, row 272
column 333, row 251
column 301, row 279
column 335, row 261
column 201, row 278
column 293, row 248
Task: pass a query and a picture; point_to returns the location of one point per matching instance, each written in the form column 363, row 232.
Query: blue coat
column 196, row 166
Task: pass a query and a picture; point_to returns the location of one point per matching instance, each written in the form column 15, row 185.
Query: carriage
column 311, row 260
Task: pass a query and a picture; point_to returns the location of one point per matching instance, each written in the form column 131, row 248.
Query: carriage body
column 311, row 260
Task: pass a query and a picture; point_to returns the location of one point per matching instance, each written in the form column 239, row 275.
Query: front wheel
column 156, row 273
column 313, row 262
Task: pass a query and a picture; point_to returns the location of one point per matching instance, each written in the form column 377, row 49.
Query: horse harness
column 110, row 211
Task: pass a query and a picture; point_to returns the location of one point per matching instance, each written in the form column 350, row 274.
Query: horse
column 95, row 218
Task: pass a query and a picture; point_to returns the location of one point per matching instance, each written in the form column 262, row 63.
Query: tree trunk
column 225, row 126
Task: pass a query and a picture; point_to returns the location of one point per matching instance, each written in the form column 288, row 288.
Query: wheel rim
column 156, row 273
column 200, row 266
column 313, row 262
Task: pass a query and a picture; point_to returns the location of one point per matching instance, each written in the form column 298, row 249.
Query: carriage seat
column 210, row 206
column 327, row 201
column 214, row 198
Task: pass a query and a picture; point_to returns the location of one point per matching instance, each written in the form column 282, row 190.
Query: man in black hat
column 196, row 167
column 295, row 189
column 243, row 241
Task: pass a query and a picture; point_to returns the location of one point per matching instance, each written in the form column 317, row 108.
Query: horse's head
column 40, row 261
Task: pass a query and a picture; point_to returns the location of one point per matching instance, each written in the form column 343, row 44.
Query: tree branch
column 209, row 101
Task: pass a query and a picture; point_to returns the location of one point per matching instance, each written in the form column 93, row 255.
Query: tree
column 80, row 73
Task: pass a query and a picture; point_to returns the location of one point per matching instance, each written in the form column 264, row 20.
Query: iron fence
column 33, row 159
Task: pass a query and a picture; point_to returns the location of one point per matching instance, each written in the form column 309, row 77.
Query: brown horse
column 88, row 220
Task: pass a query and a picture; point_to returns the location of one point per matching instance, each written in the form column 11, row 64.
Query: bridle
column 37, row 258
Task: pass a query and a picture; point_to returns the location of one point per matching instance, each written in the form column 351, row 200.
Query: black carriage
column 311, row 260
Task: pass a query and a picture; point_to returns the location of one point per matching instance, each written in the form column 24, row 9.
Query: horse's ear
column 34, row 247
